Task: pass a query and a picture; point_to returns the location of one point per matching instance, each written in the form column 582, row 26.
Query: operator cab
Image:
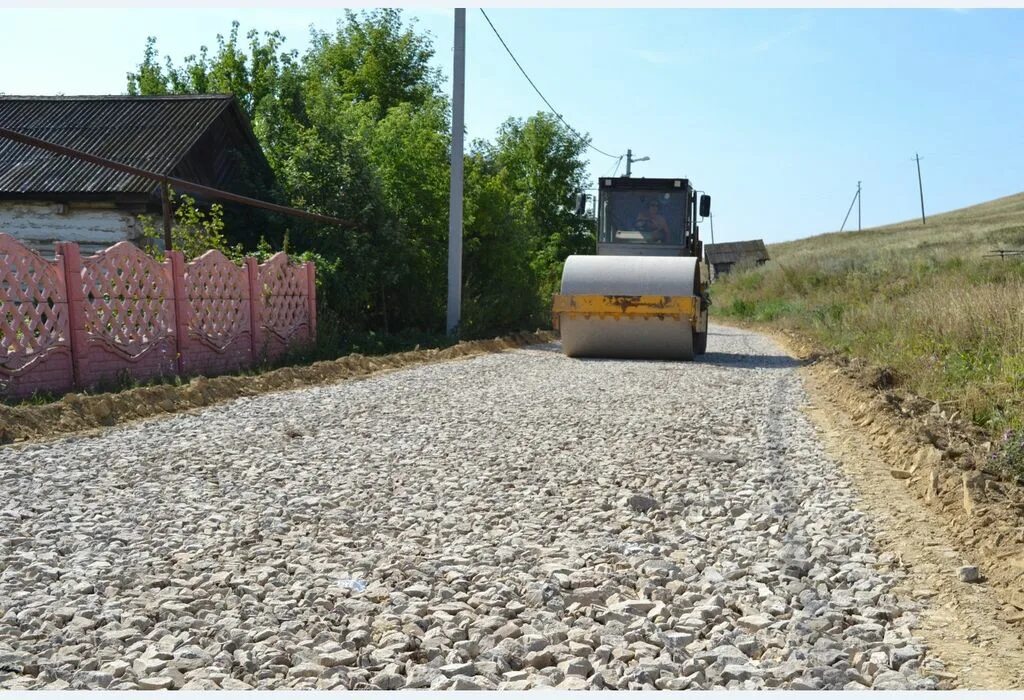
column 649, row 216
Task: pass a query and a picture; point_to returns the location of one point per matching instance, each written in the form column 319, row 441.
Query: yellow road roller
column 644, row 295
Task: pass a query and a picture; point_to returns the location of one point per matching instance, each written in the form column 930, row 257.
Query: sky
column 777, row 114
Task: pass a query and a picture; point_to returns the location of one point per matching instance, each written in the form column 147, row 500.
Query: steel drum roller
column 633, row 333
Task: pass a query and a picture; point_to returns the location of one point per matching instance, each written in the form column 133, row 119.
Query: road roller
column 644, row 295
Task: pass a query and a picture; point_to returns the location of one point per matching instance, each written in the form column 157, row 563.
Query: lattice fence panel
column 285, row 302
column 33, row 307
column 218, row 297
column 128, row 300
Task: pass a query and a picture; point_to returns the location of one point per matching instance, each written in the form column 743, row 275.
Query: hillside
column 966, row 232
column 922, row 300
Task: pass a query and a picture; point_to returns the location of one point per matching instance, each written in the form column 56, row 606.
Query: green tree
column 250, row 78
column 372, row 58
column 543, row 163
column 150, row 78
column 316, row 118
column 357, row 127
column 408, row 149
column 499, row 285
column 519, row 223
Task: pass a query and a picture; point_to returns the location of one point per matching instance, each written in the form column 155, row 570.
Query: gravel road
column 508, row 521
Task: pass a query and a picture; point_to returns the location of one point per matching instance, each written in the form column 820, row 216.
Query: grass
column 921, row 300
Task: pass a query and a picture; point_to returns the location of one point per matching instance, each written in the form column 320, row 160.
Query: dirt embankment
column 940, row 458
column 960, row 510
column 78, row 412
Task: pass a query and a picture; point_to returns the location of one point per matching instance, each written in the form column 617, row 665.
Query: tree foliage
column 357, row 127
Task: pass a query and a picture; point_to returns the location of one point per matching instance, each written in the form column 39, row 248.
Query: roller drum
column 641, row 337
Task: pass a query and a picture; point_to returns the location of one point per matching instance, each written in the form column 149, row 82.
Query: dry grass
column 922, row 300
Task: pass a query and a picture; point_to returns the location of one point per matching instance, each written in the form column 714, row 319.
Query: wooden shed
column 46, row 197
column 722, row 257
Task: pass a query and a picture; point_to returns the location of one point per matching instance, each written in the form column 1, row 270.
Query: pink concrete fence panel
column 120, row 314
column 35, row 340
column 128, row 317
column 284, row 315
column 215, row 321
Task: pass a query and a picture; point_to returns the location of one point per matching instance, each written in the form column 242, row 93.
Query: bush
column 1008, row 457
column 193, row 231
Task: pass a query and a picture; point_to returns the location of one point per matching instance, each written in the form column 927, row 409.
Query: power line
column 615, row 167
column 537, row 90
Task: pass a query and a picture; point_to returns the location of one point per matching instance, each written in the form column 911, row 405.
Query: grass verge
column 922, row 301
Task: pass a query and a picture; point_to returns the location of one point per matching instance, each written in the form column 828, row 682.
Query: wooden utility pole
column 920, row 187
column 455, row 190
column 858, row 205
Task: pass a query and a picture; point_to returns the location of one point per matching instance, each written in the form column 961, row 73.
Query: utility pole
column 920, row 187
column 712, row 217
column 455, row 189
column 855, row 200
column 858, row 205
column 630, row 160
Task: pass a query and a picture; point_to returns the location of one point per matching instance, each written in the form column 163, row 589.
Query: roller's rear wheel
column 700, row 340
column 700, row 343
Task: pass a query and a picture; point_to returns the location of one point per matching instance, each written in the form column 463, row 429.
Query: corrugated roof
column 736, row 251
column 153, row 133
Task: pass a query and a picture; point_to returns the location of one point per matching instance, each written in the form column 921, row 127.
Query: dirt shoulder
column 922, row 473
column 75, row 413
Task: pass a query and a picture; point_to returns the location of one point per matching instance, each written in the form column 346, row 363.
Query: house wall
column 94, row 226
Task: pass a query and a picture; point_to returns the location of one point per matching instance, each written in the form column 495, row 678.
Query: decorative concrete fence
column 77, row 322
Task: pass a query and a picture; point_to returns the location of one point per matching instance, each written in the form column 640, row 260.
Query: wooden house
column 47, row 197
column 722, row 257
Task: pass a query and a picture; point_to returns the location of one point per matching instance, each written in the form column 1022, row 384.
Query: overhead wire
column 618, row 161
column 537, row 90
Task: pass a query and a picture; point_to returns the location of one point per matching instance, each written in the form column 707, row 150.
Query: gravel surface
column 508, row 521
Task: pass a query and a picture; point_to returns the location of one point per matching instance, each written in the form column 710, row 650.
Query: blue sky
column 776, row 113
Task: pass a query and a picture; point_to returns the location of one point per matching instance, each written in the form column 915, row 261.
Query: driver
column 651, row 221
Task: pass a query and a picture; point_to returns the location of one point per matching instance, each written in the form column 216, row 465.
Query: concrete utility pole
column 858, row 205
column 920, row 187
column 855, row 200
column 455, row 190
column 630, row 160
